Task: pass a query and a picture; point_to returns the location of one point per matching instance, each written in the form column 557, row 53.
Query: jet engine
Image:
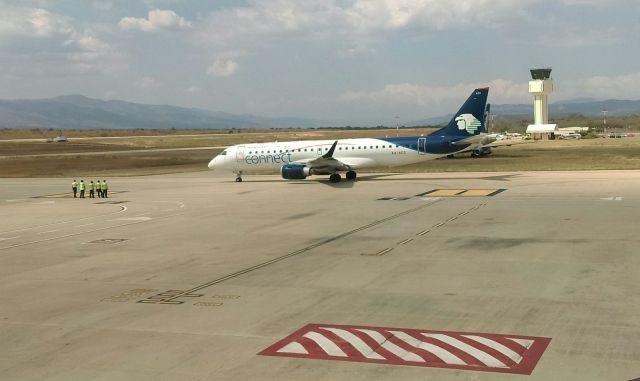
column 482, row 151
column 295, row 171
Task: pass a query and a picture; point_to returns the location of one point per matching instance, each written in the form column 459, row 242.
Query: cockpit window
column 223, row 152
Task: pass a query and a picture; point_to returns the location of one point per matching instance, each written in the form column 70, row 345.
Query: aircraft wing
column 327, row 163
column 494, row 144
column 507, row 143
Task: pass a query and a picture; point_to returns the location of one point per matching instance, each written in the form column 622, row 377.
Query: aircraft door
column 240, row 154
column 422, row 146
column 319, row 150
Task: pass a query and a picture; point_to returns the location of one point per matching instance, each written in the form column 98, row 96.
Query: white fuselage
column 357, row 153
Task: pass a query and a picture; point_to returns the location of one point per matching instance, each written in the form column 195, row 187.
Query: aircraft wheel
column 238, row 179
column 351, row 175
column 335, row 178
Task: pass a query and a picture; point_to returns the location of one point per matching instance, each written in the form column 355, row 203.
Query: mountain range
column 582, row 106
column 80, row 112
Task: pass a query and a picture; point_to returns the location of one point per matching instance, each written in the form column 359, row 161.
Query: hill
column 80, row 112
column 563, row 109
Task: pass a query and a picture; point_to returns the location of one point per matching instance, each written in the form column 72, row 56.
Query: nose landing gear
column 238, row 177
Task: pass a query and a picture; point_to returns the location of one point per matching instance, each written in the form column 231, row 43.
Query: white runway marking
column 294, row 347
column 356, row 342
column 482, row 356
column 89, row 224
column 497, row 346
column 612, row 199
column 327, row 345
column 391, row 347
column 524, row 342
column 8, row 238
column 48, row 231
column 441, row 353
column 16, row 200
column 84, row 232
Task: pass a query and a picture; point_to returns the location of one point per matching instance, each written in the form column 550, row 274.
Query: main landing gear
column 350, row 175
column 239, row 177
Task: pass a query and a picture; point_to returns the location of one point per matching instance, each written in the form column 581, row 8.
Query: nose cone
column 212, row 163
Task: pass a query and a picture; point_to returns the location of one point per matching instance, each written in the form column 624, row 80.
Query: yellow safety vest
column 81, row 186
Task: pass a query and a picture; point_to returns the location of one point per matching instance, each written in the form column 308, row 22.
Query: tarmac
column 196, row 277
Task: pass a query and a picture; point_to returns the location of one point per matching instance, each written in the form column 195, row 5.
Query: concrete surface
column 229, row 269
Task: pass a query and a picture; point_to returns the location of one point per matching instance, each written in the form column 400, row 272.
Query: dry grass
column 545, row 155
column 107, row 165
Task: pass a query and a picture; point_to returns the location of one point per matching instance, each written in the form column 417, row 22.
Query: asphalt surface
column 196, row 277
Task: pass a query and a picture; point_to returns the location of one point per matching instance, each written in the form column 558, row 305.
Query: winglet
column 329, row 154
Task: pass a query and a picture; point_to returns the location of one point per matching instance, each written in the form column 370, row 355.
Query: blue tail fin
column 470, row 119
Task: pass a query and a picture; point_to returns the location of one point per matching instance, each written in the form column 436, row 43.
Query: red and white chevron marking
column 402, row 346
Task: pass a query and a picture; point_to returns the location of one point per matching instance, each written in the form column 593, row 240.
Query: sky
column 354, row 61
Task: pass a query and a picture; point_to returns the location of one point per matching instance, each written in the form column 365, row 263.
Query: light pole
column 397, row 118
column 604, row 116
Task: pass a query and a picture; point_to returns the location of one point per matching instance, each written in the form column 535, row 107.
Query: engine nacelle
column 488, row 140
column 482, row 151
column 295, row 171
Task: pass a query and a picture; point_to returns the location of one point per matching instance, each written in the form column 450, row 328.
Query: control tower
column 540, row 86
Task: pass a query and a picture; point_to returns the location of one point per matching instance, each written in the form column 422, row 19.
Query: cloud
column 623, row 86
column 34, row 22
column 568, row 36
column 222, row 67
column 411, row 94
column 40, row 41
column 157, row 19
column 193, row 89
column 148, row 83
column 355, row 20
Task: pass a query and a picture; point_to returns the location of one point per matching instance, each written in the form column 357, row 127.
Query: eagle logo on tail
column 468, row 122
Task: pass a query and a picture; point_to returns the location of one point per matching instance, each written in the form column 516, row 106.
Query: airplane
column 297, row 160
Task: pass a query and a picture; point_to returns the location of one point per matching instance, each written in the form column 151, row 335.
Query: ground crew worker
column 105, row 188
column 81, row 186
column 74, row 187
column 98, row 190
column 92, row 189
